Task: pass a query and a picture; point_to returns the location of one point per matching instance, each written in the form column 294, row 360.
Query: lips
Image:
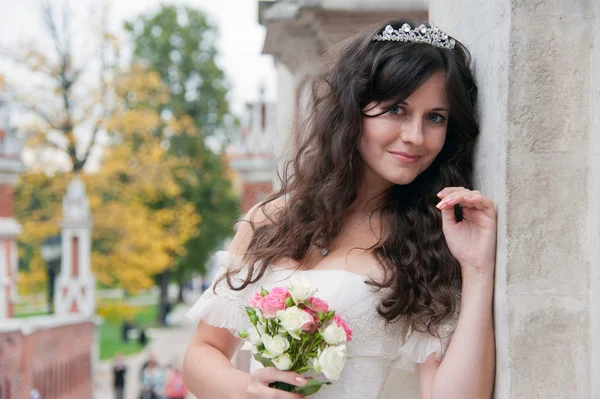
column 405, row 157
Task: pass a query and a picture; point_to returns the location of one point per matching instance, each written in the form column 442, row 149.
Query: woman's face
column 401, row 143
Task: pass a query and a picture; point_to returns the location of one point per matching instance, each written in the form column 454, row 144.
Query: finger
column 448, row 217
column 448, row 190
column 455, row 197
column 450, row 199
column 272, row 374
column 476, row 201
column 264, row 392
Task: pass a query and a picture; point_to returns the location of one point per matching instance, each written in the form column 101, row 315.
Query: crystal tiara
column 422, row 34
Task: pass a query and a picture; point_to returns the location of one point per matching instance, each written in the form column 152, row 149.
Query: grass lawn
column 110, row 334
column 22, row 315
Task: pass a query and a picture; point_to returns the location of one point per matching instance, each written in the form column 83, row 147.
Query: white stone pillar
column 10, row 168
column 75, row 285
column 538, row 158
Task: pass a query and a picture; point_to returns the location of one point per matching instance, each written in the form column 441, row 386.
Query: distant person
column 152, row 381
column 175, row 388
column 151, row 359
column 142, row 338
column 119, row 371
column 125, row 328
column 168, row 307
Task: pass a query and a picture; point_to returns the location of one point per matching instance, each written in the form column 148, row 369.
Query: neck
column 371, row 192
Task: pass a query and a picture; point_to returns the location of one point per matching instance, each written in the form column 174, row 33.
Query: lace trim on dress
column 418, row 346
column 223, row 308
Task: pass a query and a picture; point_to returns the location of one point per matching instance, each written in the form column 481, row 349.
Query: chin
column 401, row 180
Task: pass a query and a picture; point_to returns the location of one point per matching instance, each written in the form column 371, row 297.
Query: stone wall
column 55, row 357
column 538, row 158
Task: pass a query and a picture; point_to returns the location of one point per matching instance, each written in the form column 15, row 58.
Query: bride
column 378, row 215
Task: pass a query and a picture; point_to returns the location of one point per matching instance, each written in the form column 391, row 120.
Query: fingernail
column 301, row 380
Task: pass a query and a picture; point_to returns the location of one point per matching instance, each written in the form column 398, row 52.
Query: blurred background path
column 167, row 345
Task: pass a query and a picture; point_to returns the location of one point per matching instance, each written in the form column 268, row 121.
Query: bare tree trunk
column 180, row 284
column 163, row 299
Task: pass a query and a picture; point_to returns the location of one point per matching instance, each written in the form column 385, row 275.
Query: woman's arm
column 467, row 370
column 207, row 369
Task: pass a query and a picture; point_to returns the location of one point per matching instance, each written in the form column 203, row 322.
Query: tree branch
column 41, row 114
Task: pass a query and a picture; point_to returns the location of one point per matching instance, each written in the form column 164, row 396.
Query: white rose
column 300, row 288
column 248, row 346
column 292, row 319
column 334, row 335
column 332, row 361
column 254, row 336
column 274, row 346
column 282, row 362
column 316, row 365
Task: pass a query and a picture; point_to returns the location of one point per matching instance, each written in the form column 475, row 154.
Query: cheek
column 436, row 143
column 375, row 136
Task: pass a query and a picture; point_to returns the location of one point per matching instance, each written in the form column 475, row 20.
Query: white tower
column 10, row 167
column 75, row 285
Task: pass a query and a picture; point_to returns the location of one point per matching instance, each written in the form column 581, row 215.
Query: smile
column 405, row 157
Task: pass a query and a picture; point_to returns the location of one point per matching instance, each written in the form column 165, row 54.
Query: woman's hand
column 472, row 241
column 261, row 378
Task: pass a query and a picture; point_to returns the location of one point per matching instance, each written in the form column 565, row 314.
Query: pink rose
column 280, row 291
column 270, row 304
column 341, row 323
column 313, row 320
column 318, row 305
column 255, row 299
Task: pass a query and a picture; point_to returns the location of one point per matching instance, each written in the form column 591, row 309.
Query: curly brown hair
column 322, row 180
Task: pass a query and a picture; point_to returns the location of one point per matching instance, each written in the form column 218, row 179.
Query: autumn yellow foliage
column 115, row 312
column 141, row 222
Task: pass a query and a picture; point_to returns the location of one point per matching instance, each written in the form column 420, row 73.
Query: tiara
column 422, row 34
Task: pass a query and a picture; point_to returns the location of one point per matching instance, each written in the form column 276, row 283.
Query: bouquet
column 294, row 330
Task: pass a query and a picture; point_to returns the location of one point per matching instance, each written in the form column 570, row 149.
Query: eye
column 396, row 110
column 436, row 118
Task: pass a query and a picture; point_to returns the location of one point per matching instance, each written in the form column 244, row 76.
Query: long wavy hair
column 322, row 180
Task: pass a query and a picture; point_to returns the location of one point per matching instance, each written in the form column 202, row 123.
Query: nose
column 412, row 131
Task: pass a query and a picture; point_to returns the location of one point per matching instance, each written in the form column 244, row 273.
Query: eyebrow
column 434, row 109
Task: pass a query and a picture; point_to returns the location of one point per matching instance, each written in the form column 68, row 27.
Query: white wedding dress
column 377, row 350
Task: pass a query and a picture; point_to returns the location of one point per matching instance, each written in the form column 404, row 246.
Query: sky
column 240, row 42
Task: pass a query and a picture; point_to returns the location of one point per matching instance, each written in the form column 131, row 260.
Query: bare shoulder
column 261, row 214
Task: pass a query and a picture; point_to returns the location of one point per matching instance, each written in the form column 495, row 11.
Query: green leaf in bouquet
column 263, row 292
column 263, row 360
column 282, row 386
column 311, row 387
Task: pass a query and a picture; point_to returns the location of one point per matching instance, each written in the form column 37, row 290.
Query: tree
column 38, row 200
column 143, row 222
column 179, row 44
column 70, row 100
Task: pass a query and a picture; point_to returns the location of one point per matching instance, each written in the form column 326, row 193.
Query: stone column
column 10, row 168
column 538, row 157
column 75, row 285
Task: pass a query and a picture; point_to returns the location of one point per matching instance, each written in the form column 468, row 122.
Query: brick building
column 252, row 156
column 49, row 354
column 53, row 354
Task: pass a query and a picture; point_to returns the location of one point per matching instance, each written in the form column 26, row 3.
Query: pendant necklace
column 325, row 250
